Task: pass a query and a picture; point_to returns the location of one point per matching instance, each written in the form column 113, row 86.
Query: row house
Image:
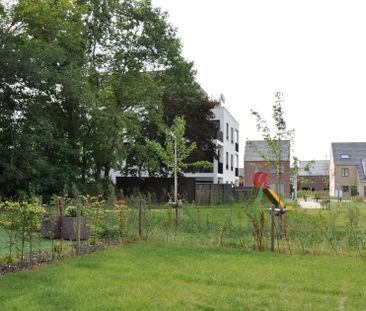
column 313, row 175
column 347, row 169
column 259, row 156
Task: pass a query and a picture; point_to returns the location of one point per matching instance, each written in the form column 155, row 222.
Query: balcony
column 220, row 136
column 220, row 168
column 236, row 172
column 236, row 147
column 204, row 170
column 198, row 170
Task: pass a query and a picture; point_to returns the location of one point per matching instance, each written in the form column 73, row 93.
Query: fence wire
column 324, row 233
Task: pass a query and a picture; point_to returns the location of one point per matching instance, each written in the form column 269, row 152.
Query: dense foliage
column 82, row 84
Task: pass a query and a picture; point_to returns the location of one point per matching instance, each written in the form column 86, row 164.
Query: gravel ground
column 309, row 204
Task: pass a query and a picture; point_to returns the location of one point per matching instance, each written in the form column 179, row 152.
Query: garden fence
column 234, row 225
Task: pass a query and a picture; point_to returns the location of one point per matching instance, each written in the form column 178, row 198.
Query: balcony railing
column 236, row 172
column 236, row 147
column 198, row 170
column 220, row 168
column 220, row 136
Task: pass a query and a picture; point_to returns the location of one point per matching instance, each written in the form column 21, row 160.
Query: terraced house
column 347, row 169
column 258, row 156
column 313, row 175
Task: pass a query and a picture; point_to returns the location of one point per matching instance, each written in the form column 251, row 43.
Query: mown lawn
column 158, row 276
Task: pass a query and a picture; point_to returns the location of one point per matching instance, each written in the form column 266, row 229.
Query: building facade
column 347, row 169
column 259, row 157
column 225, row 168
column 313, row 175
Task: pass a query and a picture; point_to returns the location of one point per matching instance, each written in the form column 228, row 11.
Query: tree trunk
column 83, row 170
column 107, row 169
column 98, row 170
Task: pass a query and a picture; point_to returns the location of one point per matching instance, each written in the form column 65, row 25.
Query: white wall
column 225, row 117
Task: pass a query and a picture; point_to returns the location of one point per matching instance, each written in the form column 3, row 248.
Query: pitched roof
column 259, row 150
column 317, row 168
column 350, row 154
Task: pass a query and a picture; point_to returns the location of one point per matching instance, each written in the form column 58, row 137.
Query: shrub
column 71, row 211
column 21, row 221
column 357, row 199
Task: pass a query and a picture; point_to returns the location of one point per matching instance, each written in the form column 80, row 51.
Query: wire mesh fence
column 31, row 234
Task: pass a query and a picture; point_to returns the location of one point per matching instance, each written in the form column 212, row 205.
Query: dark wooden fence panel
column 207, row 194
column 159, row 189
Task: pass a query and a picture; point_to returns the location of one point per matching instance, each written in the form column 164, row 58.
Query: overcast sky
column 312, row 51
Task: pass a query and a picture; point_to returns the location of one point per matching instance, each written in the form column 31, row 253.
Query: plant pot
column 50, row 227
column 68, row 230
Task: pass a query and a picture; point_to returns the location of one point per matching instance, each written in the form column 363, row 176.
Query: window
column 227, row 131
column 232, row 135
column 345, row 156
column 344, row 172
column 227, row 160
column 345, row 188
column 280, row 189
column 237, row 136
column 232, row 161
column 354, row 191
column 273, row 169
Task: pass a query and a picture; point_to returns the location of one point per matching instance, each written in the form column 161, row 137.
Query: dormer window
column 345, row 156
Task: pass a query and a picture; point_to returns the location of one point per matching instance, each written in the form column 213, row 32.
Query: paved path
column 309, row 204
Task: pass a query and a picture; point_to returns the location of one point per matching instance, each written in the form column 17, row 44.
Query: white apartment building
column 226, row 168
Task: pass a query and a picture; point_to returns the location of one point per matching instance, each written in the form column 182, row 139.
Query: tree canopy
column 82, row 84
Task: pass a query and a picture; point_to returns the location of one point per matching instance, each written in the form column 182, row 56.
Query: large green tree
column 130, row 40
column 42, row 58
column 181, row 96
column 82, row 84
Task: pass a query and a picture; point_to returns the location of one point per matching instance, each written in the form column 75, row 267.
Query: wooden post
column 78, row 215
column 140, row 219
column 272, row 228
column 61, row 209
column 209, row 194
column 280, row 223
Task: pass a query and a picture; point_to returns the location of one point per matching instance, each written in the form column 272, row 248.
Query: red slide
column 260, row 180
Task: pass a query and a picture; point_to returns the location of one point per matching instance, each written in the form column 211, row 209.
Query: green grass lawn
column 158, row 276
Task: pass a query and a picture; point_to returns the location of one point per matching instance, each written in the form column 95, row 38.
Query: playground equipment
column 279, row 207
column 260, row 180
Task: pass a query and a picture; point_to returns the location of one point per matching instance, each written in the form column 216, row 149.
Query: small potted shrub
column 69, row 224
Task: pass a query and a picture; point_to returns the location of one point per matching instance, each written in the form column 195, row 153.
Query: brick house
column 258, row 156
column 313, row 176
